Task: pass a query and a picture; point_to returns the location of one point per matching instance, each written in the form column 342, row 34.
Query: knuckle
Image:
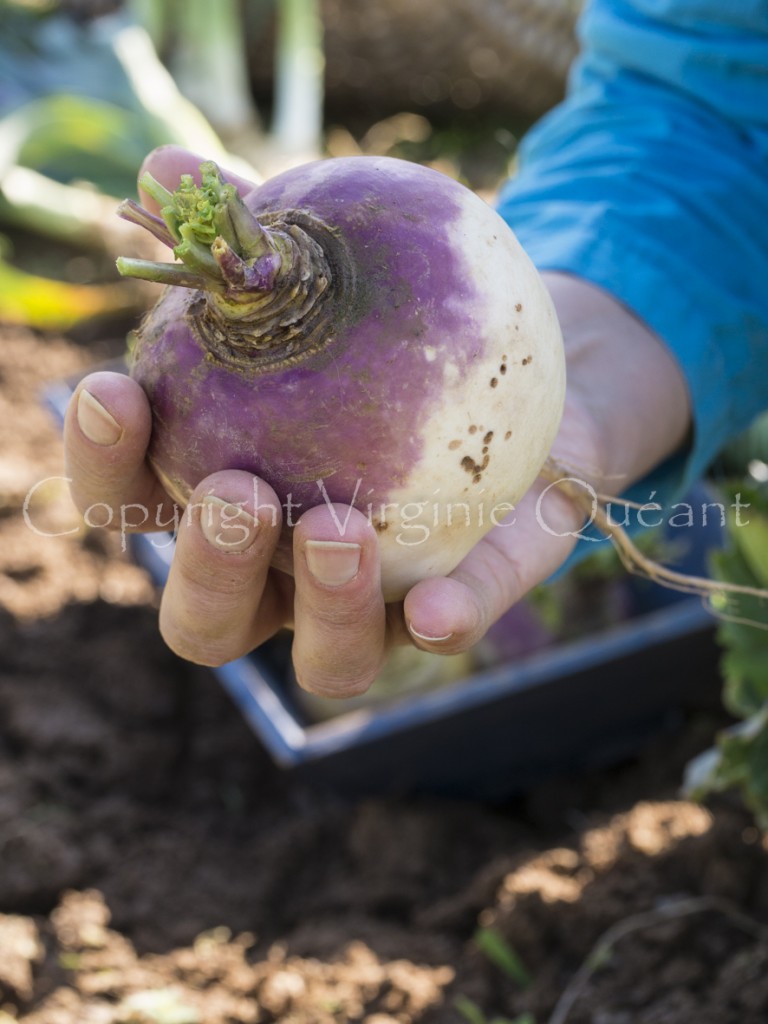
column 336, row 675
column 339, row 617
column 192, row 645
column 214, row 575
column 323, row 684
column 347, row 612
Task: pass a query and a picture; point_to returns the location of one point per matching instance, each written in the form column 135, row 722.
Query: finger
column 167, row 164
column 451, row 614
column 218, row 603
column 339, row 610
column 106, row 433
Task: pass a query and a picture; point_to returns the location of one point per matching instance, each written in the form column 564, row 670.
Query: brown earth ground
column 155, row 867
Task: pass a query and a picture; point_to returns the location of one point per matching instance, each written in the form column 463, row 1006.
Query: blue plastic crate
column 578, row 705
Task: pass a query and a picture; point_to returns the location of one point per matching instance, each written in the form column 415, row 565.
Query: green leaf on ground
column 493, row 944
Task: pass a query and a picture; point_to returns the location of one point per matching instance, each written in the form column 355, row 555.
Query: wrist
column 627, row 385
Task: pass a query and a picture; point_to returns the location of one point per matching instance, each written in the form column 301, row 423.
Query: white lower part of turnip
column 361, row 331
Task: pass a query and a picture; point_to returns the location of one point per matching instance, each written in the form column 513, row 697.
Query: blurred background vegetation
column 88, row 87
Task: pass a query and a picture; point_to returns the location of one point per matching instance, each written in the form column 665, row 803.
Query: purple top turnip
column 359, row 330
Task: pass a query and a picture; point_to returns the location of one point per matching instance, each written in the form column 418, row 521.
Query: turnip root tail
column 596, row 509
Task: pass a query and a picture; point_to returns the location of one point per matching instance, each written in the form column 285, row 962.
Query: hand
column 626, row 410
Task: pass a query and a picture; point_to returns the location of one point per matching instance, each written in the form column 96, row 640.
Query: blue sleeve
column 651, row 181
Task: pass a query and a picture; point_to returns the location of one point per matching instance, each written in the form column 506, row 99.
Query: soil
column 156, row 867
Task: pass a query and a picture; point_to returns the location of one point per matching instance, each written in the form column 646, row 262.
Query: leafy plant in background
column 473, row 1014
column 206, row 54
column 83, row 101
column 492, row 944
column 47, row 304
column 739, row 759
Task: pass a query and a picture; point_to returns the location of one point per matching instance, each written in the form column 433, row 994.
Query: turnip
column 358, row 330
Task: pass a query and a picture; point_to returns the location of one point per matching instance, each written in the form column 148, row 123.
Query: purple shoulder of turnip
column 356, row 330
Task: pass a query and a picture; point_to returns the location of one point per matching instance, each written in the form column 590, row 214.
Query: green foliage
column 85, row 101
column 46, row 53
column 81, row 104
column 493, row 944
column 31, row 299
column 472, row 1013
column 739, row 759
column 751, row 445
column 69, row 137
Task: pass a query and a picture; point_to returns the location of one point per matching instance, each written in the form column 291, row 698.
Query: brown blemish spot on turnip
column 485, row 449
column 508, row 435
column 519, row 307
column 473, row 429
column 488, row 437
column 503, row 369
column 475, row 468
column 453, row 445
column 382, row 525
column 528, row 359
column 494, row 381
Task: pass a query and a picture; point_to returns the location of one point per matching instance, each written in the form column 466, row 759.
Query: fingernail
column 428, row 639
column 332, row 562
column 96, row 423
column 226, row 525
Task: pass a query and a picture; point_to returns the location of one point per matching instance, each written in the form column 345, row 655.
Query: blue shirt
column 651, row 181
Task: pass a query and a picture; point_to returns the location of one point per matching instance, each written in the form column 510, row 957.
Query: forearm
column 649, row 182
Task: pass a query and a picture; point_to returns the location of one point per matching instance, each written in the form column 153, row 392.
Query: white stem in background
column 71, row 212
column 299, row 67
column 159, row 94
column 157, row 90
column 209, row 64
